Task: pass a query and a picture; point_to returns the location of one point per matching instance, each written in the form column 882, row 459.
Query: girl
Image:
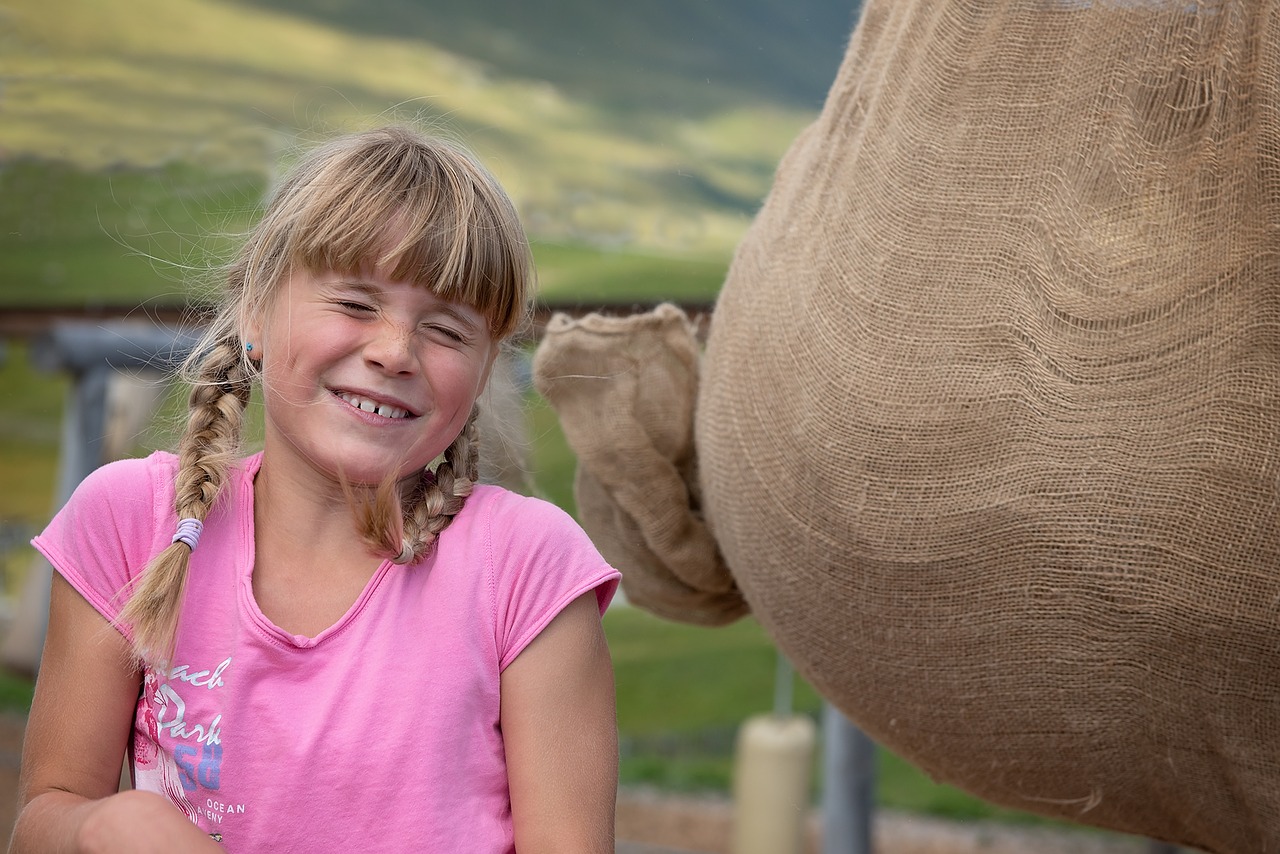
column 340, row 643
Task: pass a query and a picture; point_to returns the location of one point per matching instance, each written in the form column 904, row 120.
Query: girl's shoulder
column 493, row 496
column 119, row 517
column 536, row 561
column 522, row 534
column 504, row 511
column 140, row 480
column 159, row 469
column 129, row 480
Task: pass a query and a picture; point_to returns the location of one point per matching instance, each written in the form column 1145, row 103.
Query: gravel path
column 651, row 822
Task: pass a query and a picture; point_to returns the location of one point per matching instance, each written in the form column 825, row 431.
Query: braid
column 439, row 497
column 407, row 534
column 219, row 395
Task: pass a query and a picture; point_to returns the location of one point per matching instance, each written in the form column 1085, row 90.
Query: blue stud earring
column 248, row 348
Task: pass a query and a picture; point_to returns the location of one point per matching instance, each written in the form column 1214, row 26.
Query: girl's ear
column 251, row 339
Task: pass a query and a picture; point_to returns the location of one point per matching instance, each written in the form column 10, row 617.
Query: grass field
column 684, row 690
column 136, row 235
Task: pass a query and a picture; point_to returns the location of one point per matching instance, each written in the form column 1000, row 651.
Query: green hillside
column 661, row 55
column 128, row 131
column 137, row 141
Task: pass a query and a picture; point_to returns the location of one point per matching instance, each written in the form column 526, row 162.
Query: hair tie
column 189, row 532
column 406, row 553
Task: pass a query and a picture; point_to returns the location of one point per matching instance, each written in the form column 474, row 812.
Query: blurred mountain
column 685, row 55
column 130, row 132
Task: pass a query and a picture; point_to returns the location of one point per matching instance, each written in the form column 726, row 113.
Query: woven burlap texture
column 624, row 389
column 988, row 427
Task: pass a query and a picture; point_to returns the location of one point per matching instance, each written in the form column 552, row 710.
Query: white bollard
column 773, row 767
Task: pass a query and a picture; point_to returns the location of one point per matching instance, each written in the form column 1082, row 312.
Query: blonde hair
column 422, row 210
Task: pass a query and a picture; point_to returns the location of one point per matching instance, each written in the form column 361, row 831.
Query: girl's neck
column 310, row 562
column 311, row 518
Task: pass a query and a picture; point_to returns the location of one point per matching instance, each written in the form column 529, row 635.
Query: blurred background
column 137, row 140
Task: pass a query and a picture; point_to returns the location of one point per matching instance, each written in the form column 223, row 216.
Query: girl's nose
column 391, row 349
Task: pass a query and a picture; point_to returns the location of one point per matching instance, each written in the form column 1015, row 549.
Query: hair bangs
column 431, row 216
column 477, row 261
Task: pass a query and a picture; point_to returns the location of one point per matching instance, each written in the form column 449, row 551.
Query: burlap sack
column 624, row 389
column 989, row 421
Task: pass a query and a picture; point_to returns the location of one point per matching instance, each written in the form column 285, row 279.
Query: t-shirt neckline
column 249, row 603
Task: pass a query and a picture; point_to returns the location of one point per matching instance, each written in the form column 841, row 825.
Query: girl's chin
column 376, row 477
column 372, row 473
column 353, row 464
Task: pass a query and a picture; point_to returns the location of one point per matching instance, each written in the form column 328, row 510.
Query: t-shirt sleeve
column 104, row 535
column 541, row 561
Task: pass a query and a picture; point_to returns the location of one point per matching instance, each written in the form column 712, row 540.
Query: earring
column 248, row 348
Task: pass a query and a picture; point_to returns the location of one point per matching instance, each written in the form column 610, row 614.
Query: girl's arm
column 80, row 722
column 559, row 726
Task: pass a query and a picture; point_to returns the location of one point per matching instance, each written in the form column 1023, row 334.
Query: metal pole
column 784, row 680
column 90, row 353
column 81, row 452
column 848, row 785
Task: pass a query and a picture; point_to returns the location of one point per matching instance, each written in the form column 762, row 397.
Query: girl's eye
column 355, row 306
column 447, row 332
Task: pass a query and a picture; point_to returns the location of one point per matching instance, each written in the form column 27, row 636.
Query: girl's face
column 362, row 375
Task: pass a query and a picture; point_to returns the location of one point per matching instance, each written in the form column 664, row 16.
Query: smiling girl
column 341, row 643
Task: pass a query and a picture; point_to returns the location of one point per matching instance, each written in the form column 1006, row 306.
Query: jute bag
column 624, row 390
column 988, row 422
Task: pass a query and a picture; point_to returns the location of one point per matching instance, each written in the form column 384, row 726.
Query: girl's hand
column 136, row 822
column 560, row 730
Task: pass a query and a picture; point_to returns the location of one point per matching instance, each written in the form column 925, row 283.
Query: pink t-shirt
column 379, row 734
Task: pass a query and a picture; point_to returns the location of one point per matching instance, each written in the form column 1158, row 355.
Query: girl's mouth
column 365, row 404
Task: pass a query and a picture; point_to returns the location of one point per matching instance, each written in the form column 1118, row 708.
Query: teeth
column 367, row 405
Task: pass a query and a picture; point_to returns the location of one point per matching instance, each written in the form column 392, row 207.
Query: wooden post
column 773, row 763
